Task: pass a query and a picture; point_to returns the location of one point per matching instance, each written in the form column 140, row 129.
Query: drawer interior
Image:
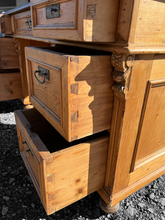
column 49, row 136
column 75, row 51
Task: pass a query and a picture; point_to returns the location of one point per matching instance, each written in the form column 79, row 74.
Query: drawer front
column 8, row 56
column 5, row 24
column 91, row 20
column 10, row 86
column 23, row 23
column 66, row 172
column 74, row 88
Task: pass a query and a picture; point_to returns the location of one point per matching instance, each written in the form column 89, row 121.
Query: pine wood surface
column 65, row 172
column 10, row 86
column 91, row 20
column 19, row 23
column 20, row 45
column 8, row 55
column 78, row 86
column 139, row 22
column 136, row 148
column 5, row 24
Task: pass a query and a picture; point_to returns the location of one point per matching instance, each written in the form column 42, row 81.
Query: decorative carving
column 119, row 90
column 17, row 46
column 122, row 65
column 118, row 62
column 120, row 76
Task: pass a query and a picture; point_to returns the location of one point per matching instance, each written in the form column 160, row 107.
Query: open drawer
column 72, row 88
column 62, row 172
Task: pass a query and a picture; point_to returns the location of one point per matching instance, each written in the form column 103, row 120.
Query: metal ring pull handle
column 38, row 71
column 28, row 23
column 26, row 155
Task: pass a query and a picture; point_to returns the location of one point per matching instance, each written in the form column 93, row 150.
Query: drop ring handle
column 26, row 155
column 38, row 71
column 28, row 23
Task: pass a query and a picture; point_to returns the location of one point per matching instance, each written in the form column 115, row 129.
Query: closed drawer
column 8, row 56
column 22, row 23
column 5, row 24
column 62, row 172
column 91, row 20
column 10, row 85
column 76, row 96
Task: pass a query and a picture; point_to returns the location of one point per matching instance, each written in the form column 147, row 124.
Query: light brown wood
column 83, row 162
column 22, row 23
column 136, row 148
column 8, row 55
column 10, row 86
column 5, row 24
column 78, row 99
column 86, row 94
column 20, row 45
column 140, row 23
column 91, row 20
column 108, row 208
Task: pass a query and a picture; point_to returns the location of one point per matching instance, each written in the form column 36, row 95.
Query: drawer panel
column 8, row 56
column 76, row 98
column 91, row 20
column 5, row 24
column 62, row 172
column 22, row 23
column 10, row 85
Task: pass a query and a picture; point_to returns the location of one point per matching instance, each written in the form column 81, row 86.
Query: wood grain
column 8, row 55
column 92, row 76
column 10, row 86
column 91, row 20
column 83, row 163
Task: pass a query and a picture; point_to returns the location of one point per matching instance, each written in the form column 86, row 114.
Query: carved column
column 122, row 75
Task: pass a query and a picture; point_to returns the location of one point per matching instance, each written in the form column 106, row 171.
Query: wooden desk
column 136, row 149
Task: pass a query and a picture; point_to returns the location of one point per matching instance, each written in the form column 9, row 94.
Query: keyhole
column 53, row 10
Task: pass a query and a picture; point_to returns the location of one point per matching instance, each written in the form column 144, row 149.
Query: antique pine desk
column 94, row 71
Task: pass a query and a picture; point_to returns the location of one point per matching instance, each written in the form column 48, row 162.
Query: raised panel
column 158, row 68
column 67, row 15
column 149, row 153
column 152, row 131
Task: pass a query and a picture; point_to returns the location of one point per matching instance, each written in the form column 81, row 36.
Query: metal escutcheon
column 53, row 11
column 28, row 23
column 43, row 73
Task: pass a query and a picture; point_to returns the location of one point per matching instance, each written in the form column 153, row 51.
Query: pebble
column 162, row 201
column 11, row 180
column 130, row 211
column 152, row 196
column 6, row 198
column 151, row 210
column 32, row 205
column 4, row 174
column 4, row 210
column 141, row 205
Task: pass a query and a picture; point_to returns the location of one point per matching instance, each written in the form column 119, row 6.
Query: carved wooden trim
column 122, row 65
column 17, row 46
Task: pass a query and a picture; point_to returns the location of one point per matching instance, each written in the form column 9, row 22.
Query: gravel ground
column 19, row 200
